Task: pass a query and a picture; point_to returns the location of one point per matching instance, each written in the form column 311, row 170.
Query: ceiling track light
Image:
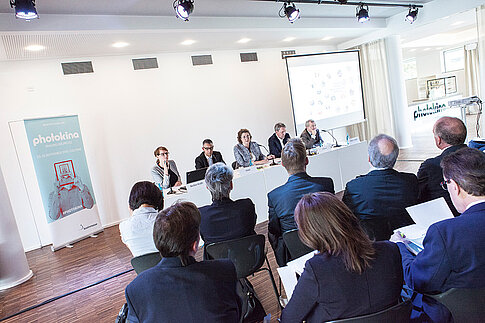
column 362, row 13
column 412, row 14
column 24, row 9
column 183, row 8
column 289, row 11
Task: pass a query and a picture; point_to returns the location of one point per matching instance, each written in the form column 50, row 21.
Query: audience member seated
column 282, row 200
column 225, row 219
column 247, row 152
column 350, row 276
column 454, row 249
column 379, row 198
column 165, row 173
column 208, row 156
column 278, row 140
column 137, row 231
column 449, row 136
column 179, row 289
column 311, row 136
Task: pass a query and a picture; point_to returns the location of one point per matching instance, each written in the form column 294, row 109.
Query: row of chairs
column 249, row 255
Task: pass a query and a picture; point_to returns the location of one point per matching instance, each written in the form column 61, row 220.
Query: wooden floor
column 94, row 259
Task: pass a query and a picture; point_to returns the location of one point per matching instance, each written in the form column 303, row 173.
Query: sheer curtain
column 375, row 84
column 471, row 70
column 481, row 57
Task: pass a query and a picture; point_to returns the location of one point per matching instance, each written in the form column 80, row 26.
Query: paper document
column 424, row 215
column 290, row 273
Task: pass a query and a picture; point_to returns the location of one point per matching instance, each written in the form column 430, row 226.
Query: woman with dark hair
column 350, row 275
column 247, row 152
column 164, row 172
column 178, row 288
column 137, row 231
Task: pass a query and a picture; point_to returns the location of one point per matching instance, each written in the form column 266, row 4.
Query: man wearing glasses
column 208, row 156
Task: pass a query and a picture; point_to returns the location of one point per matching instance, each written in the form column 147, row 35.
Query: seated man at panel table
column 449, row 136
column 454, row 249
column 283, row 200
column 311, row 136
column 178, row 288
column 278, row 140
column 225, row 219
column 208, row 156
column 379, row 198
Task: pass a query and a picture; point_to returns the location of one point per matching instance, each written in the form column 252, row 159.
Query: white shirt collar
column 475, row 203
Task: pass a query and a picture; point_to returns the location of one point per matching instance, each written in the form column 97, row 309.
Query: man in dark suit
column 379, row 198
column 283, row 200
column 454, row 249
column 225, row 219
column 278, row 140
column 179, row 289
column 449, row 135
column 208, row 156
column 311, row 136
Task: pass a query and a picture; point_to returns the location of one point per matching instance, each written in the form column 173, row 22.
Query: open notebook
column 424, row 215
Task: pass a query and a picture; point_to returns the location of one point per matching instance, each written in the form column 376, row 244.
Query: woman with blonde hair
column 350, row 275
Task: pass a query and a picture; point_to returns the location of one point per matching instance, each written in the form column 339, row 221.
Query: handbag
column 251, row 308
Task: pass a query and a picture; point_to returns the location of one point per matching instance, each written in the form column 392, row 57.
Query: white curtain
column 471, row 71
column 375, row 84
column 481, row 58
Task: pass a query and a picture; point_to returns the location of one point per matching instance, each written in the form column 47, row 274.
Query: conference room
column 136, row 77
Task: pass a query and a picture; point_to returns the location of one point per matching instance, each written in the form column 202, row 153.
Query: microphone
column 272, row 160
column 331, row 135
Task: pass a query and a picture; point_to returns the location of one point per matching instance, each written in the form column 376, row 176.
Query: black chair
column 248, row 255
column 235, row 165
column 464, row 304
column 144, row 262
column 295, row 247
column 399, row 313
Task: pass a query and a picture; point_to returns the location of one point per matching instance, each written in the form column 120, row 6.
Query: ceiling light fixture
column 24, row 9
column 289, row 11
column 362, row 13
column 327, row 38
column 244, row 40
column 183, row 8
column 289, row 39
column 34, row 48
column 188, row 42
column 412, row 14
column 120, row 44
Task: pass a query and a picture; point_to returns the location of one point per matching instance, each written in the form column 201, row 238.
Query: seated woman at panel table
column 225, row 219
column 164, row 172
column 137, row 232
column 247, row 152
column 351, row 275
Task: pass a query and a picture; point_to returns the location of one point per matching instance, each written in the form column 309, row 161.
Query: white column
column 397, row 88
column 14, row 268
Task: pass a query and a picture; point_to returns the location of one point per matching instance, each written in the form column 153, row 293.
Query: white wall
column 124, row 114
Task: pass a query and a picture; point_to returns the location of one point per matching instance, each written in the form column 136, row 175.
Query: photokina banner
column 62, row 173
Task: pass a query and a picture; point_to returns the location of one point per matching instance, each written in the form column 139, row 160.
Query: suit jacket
column 327, row 290
column 281, row 206
column 379, row 199
column 201, row 160
column 227, row 219
column 430, row 175
column 169, row 292
column 453, row 257
column 307, row 139
column 275, row 144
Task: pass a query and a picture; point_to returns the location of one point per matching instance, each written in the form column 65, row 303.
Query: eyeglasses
column 208, row 148
column 163, row 154
column 444, row 184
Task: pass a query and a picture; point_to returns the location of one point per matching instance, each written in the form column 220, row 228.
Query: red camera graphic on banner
column 65, row 173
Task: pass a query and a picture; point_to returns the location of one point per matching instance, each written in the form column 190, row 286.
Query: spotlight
column 362, row 13
column 412, row 14
column 183, row 8
column 24, row 9
column 291, row 12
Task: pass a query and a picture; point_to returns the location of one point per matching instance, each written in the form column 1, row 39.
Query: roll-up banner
column 62, row 173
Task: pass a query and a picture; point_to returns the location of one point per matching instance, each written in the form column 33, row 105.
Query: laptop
column 196, row 175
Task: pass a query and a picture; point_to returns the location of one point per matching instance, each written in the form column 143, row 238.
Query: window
column 453, row 59
column 409, row 68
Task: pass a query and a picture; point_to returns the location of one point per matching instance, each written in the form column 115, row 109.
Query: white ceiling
column 73, row 28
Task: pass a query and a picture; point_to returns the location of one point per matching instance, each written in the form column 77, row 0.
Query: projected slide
column 326, row 88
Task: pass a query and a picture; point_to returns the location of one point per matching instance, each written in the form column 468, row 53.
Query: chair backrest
column 399, row 313
column 465, row 304
column 145, row 262
column 294, row 245
column 247, row 253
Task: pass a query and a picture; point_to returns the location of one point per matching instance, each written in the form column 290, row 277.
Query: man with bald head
column 379, row 198
column 449, row 136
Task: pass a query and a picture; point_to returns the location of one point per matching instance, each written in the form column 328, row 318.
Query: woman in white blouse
column 137, row 231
